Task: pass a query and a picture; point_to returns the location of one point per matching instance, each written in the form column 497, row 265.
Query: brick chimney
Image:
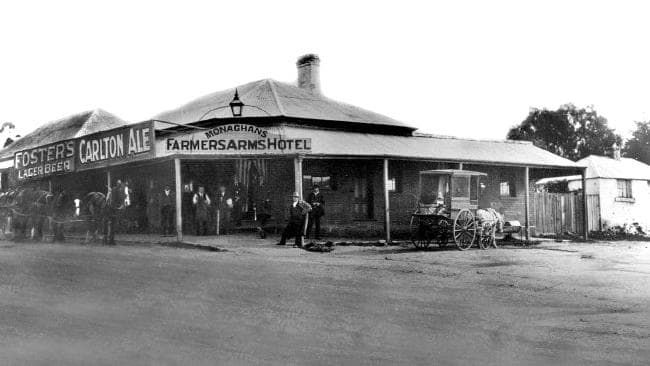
column 308, row 73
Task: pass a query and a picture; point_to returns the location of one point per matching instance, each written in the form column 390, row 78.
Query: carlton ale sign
column 233, row 139
column 117, row 146
column 111, row 147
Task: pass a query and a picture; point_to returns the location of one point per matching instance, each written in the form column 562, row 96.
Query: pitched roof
column 623, row 168
column 70, row 127
column 340, row 143
column 278, row 99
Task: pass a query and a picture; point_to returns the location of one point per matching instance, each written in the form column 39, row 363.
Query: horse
column 490, row 222
column 59, row 210
column 7, row 205
column 29, row 212
column 94, row 206
column 103, row 209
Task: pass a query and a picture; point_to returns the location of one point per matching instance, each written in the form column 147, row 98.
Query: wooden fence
column 557, row 213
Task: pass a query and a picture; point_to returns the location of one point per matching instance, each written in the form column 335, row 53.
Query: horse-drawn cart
column 447, row 210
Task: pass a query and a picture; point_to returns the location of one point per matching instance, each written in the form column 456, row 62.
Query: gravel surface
column 556, row 303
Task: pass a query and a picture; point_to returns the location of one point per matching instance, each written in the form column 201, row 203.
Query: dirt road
column 571, row 304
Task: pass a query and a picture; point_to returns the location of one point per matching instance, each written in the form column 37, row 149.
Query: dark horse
column 60, row 209
column 29, row 211
column 102, row 213
column 7, row 207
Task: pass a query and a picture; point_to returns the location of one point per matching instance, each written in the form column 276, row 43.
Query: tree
column 638, row 147
column 571, row 132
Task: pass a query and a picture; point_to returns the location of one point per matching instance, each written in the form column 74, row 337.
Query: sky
column 463, row 68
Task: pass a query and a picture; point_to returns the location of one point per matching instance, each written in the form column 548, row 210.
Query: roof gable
column 623, row 168
column 275, row 98
column 66, row 128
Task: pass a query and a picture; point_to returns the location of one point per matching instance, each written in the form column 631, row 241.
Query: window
column 391, row 184
column 624, row 188
column 323, row 182
column 460, row 186
column 507, row 189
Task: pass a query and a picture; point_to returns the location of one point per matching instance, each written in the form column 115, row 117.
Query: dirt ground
column 557, row 303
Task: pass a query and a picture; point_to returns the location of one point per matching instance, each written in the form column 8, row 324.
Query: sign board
column 233, row 139
column 45, row 160
column 117, row 146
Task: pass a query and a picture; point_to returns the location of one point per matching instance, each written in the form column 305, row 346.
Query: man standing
column 224, row 209
column 317, row 202
column 115, row 201
column 298, row 211
column 167, row 203
column 201, row 203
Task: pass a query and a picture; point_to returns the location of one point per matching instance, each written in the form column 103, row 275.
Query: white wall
column 615, row 212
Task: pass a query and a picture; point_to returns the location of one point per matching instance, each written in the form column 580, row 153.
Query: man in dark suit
column 298, row 211
column 167, row 203
column 224, row 204
column 201, row 203
column 317, row 202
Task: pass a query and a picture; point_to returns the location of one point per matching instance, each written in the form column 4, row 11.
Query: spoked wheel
column 487, row 238
column 464, row 229
column 443, row 233
column 420, row 232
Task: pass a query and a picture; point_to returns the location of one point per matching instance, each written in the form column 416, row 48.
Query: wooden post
column 297, row 170
column 297, row 177
column 179, row 199
column 527, row 203
column 585, row 208
column 386, row 203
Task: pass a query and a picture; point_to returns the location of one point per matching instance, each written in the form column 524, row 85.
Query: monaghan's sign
column 45, row 160
column 117, row 146
column 233, row 139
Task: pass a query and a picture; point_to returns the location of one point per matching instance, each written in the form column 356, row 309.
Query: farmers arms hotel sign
column 233, row 139
column 112, row 147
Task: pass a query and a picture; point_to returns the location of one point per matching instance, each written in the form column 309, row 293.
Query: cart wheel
column 419, row 233
column 486, row 237
column 443, row 233
column 464, row 229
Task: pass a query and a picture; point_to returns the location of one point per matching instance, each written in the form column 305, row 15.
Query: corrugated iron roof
column 277, row 99
column 340, row 143
column 623, row 168
column 70, row 127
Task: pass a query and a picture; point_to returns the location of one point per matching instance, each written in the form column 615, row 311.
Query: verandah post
column 527, row 203
column 585, row 208
column 386, row 203
column 179, row 201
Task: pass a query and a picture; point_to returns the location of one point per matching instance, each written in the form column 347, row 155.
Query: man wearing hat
column 201, row 203
column 317, row 203
column 167, row 203
column 298, row 212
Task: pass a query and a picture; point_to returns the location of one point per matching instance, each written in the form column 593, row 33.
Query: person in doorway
column 201, row 203
column 167, row 203
column 224, row 207
column 317, row 202
column 298, row 213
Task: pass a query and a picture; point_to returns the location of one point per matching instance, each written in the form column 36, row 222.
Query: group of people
column 304, row 217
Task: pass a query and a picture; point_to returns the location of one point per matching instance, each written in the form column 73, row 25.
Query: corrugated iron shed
column 70, row 127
